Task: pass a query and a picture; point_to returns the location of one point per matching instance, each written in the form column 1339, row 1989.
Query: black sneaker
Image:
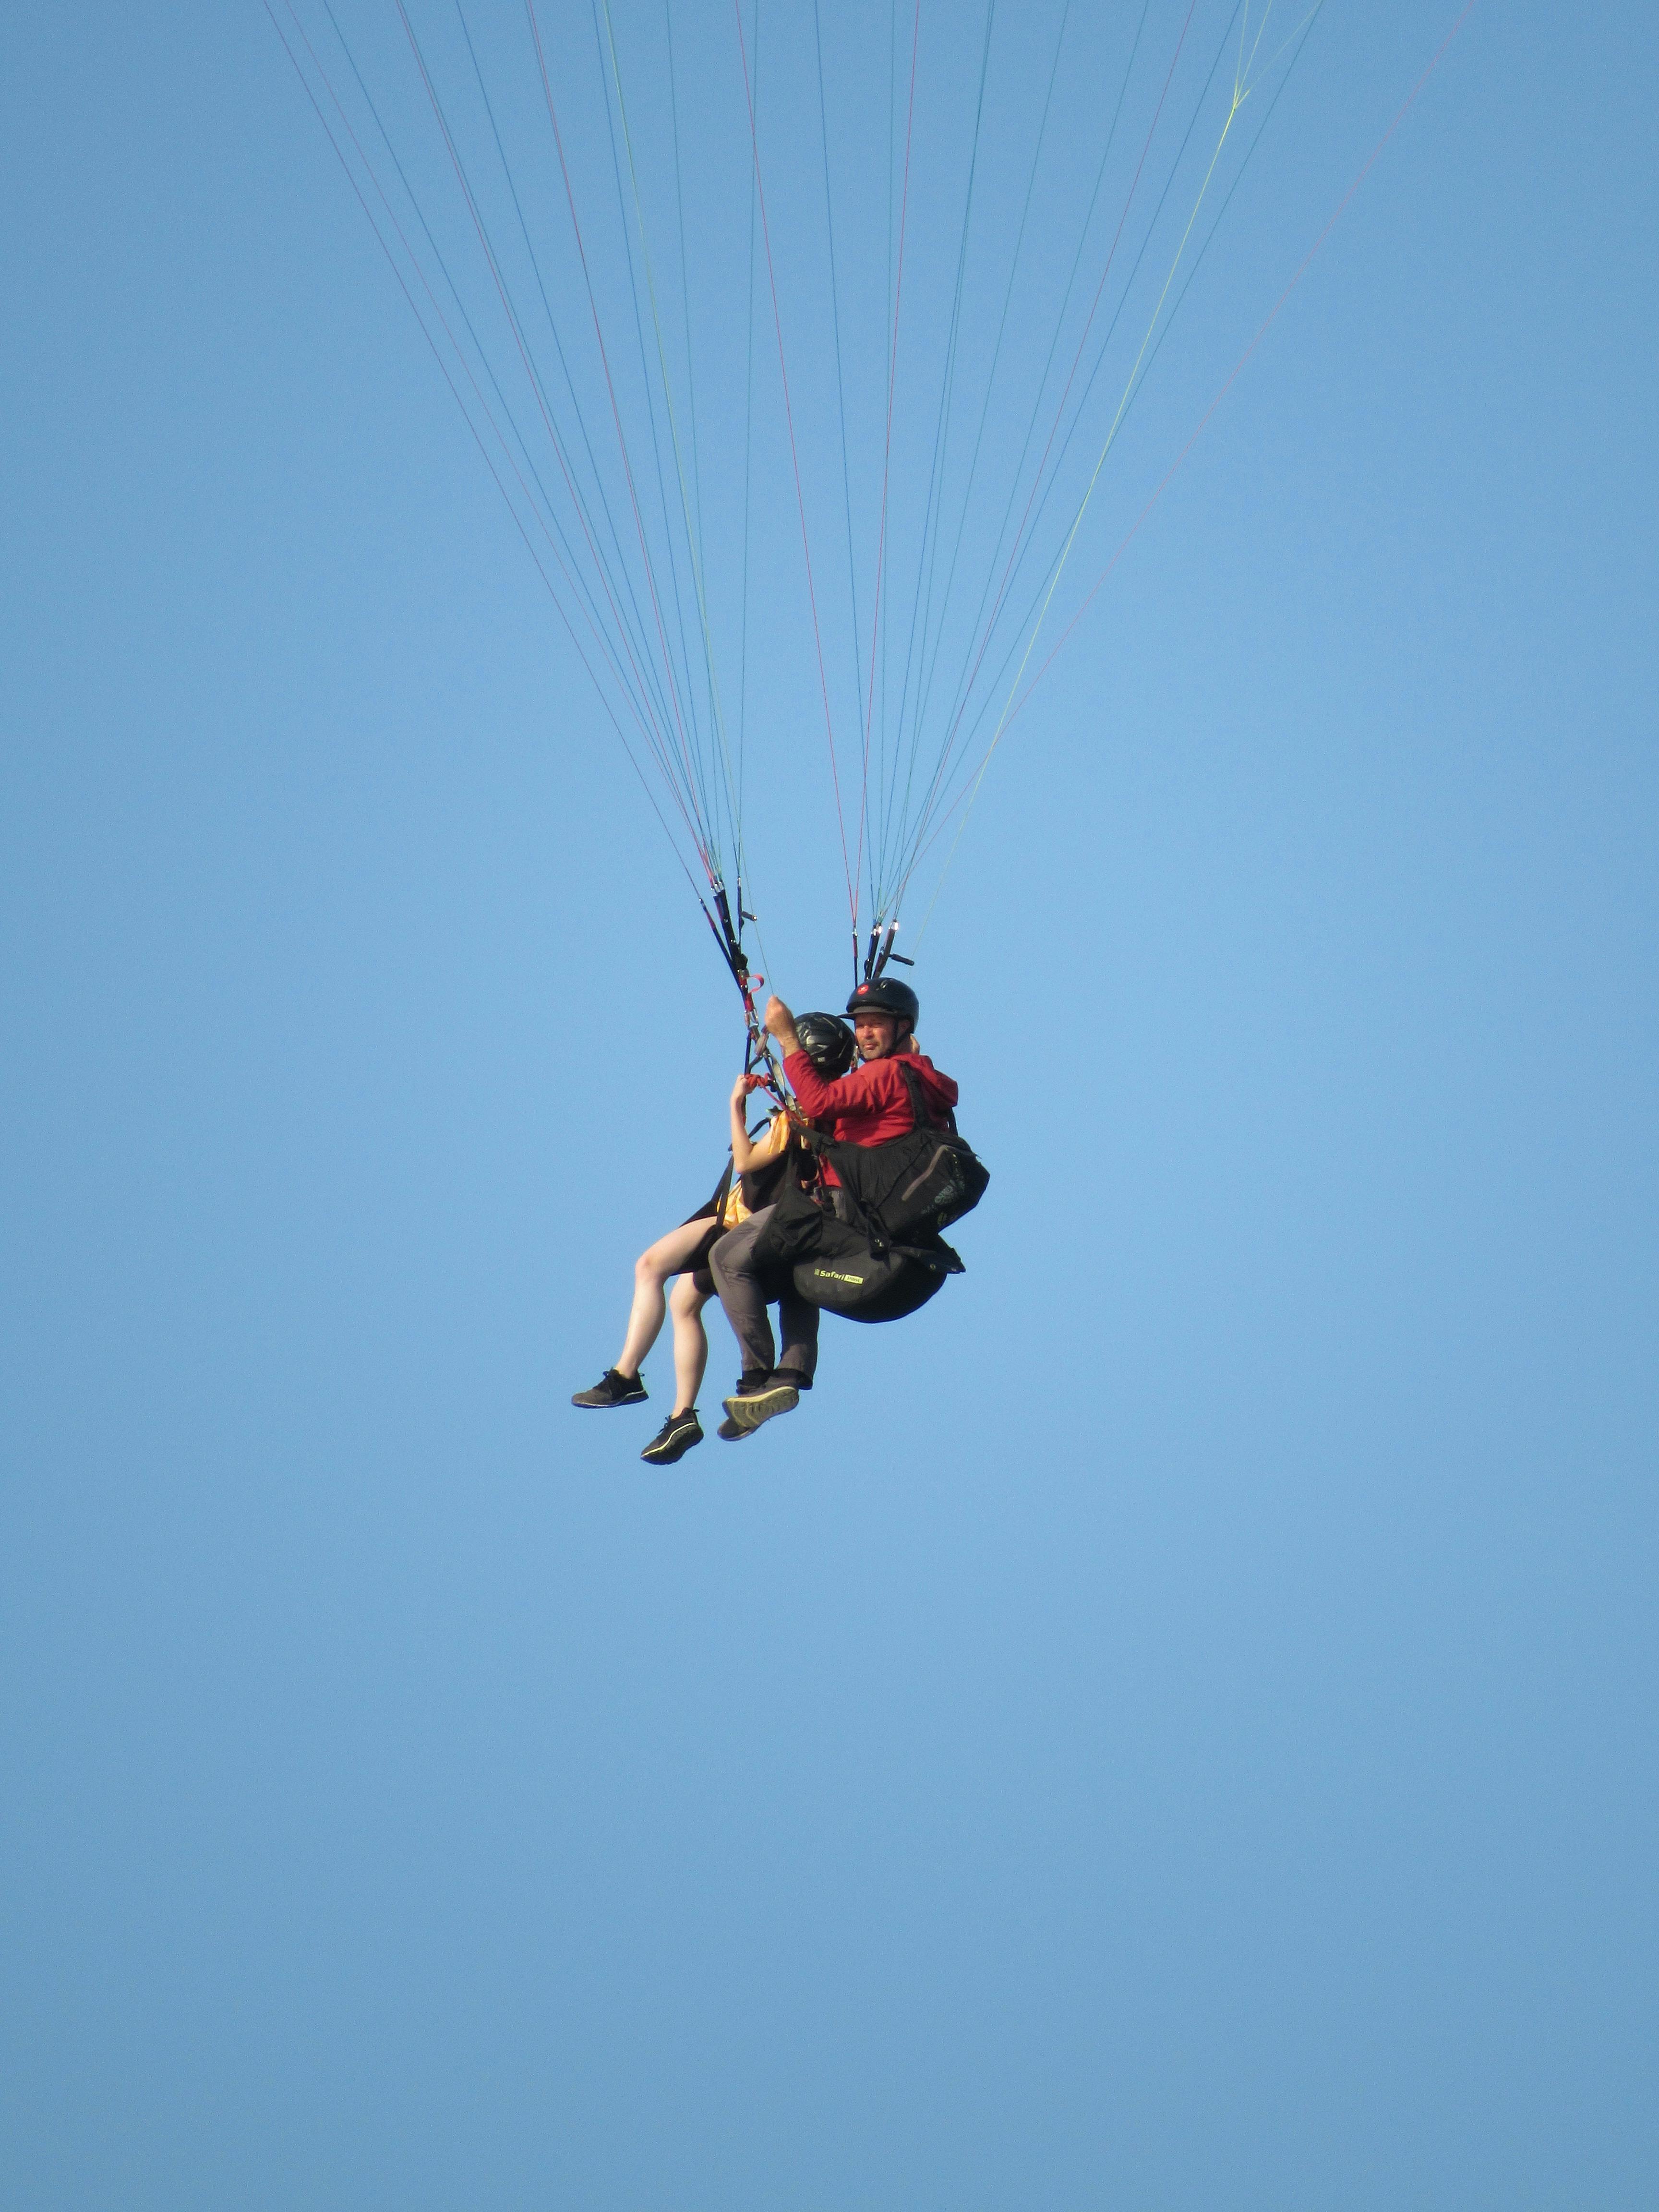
column 752, row 1378
column 763, row 1398
column 674, row 1439
column 612, row 1390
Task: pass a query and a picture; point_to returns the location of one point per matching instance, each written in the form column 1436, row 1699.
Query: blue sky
column 1170, row 1726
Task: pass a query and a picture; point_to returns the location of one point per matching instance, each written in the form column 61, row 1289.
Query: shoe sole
column 675, row 1448
column 748, row 1413
column 608, row 1405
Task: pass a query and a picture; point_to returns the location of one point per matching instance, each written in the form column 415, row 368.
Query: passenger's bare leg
column 651, row 1272
column 686, row 1303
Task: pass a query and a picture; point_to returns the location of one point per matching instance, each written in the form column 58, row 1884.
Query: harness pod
column 861, row 1284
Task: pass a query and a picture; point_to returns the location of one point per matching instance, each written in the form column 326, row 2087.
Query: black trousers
column 747, row 1289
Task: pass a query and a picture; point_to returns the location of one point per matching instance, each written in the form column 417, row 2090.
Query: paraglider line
column 1243, row 359
column 1117, row 235
column 637, row 645
column 1036, row 405
column 971, row 790
column 604, row 361
column 489, row 462
column 893, row 375
column 933, row 513
column 524, row 354
column 794, row 456
column 840, row 385
column 978, row 440
column 921, row 839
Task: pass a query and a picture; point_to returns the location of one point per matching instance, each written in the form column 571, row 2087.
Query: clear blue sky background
column 1170, row 1727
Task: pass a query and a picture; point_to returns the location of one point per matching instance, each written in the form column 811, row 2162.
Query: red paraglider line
column 794, row 456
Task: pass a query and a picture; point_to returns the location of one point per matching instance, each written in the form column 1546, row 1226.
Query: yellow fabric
column 769, row 1146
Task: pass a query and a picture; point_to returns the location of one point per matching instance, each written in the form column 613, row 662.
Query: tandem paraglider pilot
column 754, row 1173
column 846, row 1246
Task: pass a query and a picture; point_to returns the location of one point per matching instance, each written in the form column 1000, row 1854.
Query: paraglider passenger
column 752, row 1180
column 866, row 1107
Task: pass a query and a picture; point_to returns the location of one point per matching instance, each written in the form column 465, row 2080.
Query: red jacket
column 871, row 1104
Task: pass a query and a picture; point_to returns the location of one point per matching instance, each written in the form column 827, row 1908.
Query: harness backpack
column 878, row 1255
column 908, row 1190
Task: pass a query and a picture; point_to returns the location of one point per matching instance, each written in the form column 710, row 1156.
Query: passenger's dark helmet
column 828, row 1044
column 887, row 995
